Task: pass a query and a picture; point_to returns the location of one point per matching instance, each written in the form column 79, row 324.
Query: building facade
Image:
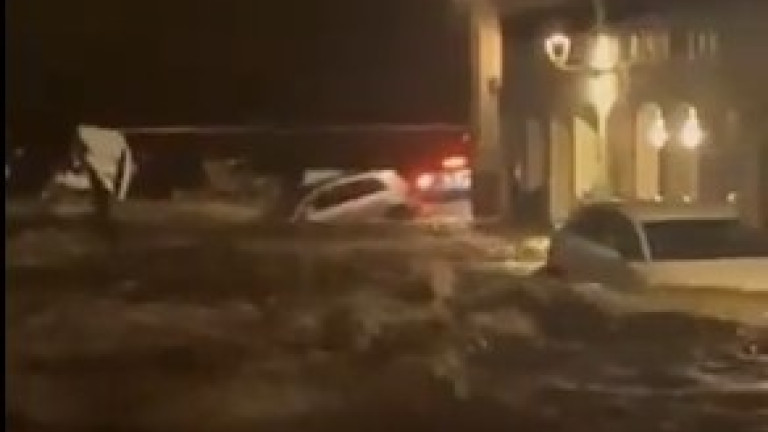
column 684, row 119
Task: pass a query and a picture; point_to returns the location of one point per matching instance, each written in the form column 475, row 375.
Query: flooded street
column 210, row 335
column 386, row 215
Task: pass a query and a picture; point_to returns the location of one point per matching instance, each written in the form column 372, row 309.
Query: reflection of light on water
column 708, row 382
column 745, row 307
column 708, row 385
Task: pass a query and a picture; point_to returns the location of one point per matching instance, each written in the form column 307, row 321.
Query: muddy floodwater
column 204, row 333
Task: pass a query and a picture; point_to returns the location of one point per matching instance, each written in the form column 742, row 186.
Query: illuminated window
column 633, row 49
column 652, row 45
column 714, row 44
column 691, row 46
column 702, row 44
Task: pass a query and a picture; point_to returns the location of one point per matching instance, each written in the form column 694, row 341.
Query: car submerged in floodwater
column 660, row 245
column 441, row 195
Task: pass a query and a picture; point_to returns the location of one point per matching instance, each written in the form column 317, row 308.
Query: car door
column 596, row 246
column 575, row 251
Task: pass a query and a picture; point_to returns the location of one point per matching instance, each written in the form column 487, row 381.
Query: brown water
column 208, row 336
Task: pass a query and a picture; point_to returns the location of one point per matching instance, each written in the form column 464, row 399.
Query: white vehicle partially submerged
column 365, row 197
column 656, row 244
column 435, row 195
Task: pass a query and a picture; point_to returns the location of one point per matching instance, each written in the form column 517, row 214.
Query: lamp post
column 602, row 68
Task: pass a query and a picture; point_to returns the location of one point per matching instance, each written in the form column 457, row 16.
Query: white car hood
column 748, row 274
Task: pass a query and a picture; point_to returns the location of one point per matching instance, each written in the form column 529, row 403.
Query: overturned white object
column 107, row 152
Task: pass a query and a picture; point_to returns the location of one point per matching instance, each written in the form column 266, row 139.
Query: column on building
column 561, row 168
column 584, row 162
column 622, row 150
column 651, row 136
column 490, row 183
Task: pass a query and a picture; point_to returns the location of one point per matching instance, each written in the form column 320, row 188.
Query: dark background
column 147, row 62
column 234, row 62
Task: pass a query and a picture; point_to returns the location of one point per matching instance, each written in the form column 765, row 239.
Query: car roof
column 666, row 211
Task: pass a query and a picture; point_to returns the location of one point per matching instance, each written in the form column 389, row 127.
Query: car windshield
column 693, row 239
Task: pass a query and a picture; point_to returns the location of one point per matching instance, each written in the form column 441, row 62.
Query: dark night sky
column 235, row 61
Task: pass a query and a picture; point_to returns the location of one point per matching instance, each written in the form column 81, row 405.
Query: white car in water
column 656, row 244
column 437, row 194
column 368, row 196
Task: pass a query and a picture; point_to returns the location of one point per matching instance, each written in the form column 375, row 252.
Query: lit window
column 691, row 45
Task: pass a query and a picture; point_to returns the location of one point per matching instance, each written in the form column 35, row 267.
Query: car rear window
column 704, row 239
column 348, row 192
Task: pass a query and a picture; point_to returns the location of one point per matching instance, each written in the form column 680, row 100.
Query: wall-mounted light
column 602, row 69
column 603, row 52
column 558, row 49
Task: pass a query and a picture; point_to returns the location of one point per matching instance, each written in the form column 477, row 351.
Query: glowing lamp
column 691, row 134
column 558, row 48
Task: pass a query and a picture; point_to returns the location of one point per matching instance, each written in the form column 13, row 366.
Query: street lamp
column 601, row 68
